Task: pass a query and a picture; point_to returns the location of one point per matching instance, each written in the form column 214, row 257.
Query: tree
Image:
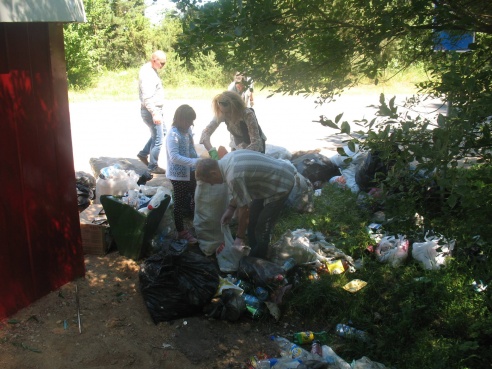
column 116, row 35
column 325, row 46
column 84, row 43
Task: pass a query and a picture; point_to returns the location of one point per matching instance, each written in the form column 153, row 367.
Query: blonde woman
column 241, row 122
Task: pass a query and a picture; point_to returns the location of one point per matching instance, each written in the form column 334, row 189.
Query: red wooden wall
column 40, row 243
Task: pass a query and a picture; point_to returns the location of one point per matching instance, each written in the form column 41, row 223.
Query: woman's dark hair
column 183, row 114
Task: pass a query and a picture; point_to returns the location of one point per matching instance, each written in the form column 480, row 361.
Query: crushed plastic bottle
column 289, row 264
column 344, row 330
column 261, row 293
column 286, row 363
column 291, row 350
column 331, row 357
column 251, row 300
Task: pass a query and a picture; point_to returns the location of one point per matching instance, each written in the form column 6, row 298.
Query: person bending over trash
column 260, row 181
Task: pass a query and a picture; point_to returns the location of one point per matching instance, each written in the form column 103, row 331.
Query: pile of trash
column 236, row 283
column 432, row 254
column 320, row 355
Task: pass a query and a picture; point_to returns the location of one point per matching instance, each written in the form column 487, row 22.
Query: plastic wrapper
column 354, row 285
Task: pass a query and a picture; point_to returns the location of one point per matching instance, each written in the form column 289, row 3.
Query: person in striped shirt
column 260, row 181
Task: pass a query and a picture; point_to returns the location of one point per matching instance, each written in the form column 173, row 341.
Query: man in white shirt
column 151, row 94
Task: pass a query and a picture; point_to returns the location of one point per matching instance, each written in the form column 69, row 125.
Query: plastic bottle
column 261, row 293
column 156, row 200
column 286, row 363
column 255, row 312
column 251, row 301
column 302, row 338
column 344, row 330
column 266, row 363
column 279, row 279
column 291, row 350
column 133, row 198
column 289, row 264
column 331, row 357
column 316, row 348
column 262, row 362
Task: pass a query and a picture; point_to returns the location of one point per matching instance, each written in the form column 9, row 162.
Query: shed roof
column 64, row 11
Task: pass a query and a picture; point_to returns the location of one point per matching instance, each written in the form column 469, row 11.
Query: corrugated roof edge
column 64, row 11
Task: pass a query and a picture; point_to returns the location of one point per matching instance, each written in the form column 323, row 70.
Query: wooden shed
column 40, row 242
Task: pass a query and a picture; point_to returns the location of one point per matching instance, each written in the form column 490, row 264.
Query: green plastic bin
column 132, row 231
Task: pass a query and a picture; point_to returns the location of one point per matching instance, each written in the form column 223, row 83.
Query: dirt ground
column 117, row 330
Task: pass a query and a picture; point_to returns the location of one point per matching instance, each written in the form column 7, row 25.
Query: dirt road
column 114, row 129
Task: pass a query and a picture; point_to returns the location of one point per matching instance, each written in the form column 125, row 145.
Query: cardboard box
column 95, row 238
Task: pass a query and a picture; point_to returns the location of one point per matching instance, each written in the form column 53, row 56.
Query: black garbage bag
column 85, row 184
column 230, row 305
column 179, row 285
column 261, row 272
column 316, row 167
column 372, row 166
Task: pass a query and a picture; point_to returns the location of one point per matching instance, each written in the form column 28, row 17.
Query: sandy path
column 114, row 129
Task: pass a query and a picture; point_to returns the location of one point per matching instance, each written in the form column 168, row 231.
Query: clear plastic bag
column 228, row 254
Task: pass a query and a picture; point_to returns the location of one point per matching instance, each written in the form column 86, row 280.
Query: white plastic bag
column 392, row 250
column 228, row 254
column 277, row 152
column 210, row 203
column 431, row 254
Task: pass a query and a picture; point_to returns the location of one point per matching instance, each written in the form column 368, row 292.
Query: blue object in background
column 453, row 41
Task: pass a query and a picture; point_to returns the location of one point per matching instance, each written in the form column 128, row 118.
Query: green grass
column 415, row 318
column 122, row 85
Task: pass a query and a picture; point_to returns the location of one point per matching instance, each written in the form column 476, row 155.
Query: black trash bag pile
column 230, row 305
column 372, row 166
column 85, row 184
column 316, row 167
column 176, row 285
